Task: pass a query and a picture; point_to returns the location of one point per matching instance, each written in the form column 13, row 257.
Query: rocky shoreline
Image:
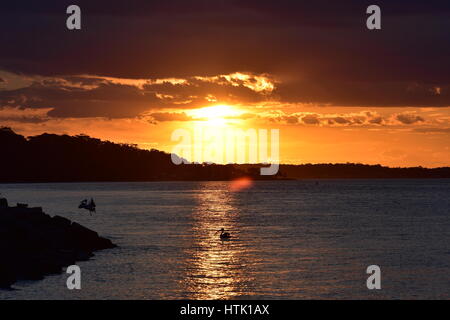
column 33, row 244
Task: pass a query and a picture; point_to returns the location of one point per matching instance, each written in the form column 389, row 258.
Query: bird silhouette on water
column 88, row 205
column 224, row 235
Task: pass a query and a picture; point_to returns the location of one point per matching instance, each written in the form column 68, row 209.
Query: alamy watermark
column 73, row 22
column 74, row 280
column 373, row 22
column 228, row 146
column 374, row 280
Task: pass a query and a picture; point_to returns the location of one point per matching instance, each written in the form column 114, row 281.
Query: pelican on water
column 223, row 234
column 88, row 206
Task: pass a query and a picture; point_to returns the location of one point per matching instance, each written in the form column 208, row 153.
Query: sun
column 215, row 115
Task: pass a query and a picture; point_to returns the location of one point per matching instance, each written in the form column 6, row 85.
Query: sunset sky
column 138, row 70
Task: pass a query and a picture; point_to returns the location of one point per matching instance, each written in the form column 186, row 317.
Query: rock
column 3, row 203
column 33, row 244
column 61, row 221
column 84, row 255
column 79, row 230
column 7, row 276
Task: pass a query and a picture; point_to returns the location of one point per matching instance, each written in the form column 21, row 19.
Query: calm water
column 292, row 239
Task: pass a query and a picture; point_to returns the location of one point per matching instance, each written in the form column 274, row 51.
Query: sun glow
column 240, row 184
column 215, row 115
column 215, row 134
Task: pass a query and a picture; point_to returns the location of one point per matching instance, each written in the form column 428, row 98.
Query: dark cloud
column 291, row 119
column 362, row 118
column 377, row 120
column 363, row 93
column 409, row 118
column 19, row 119
column 23, row 115
column 106, row 100
column 310, row 119
column 88, row 96
column 170, row 116
column 341, row 120
column 320, row 50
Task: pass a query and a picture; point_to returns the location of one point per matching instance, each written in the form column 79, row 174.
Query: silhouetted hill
column 50, row 157
column 57, row 158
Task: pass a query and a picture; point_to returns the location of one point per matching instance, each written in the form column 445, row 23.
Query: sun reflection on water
column 215, row 268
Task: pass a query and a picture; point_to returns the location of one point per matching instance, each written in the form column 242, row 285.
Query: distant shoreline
column 262, row 180
column 50, row 158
